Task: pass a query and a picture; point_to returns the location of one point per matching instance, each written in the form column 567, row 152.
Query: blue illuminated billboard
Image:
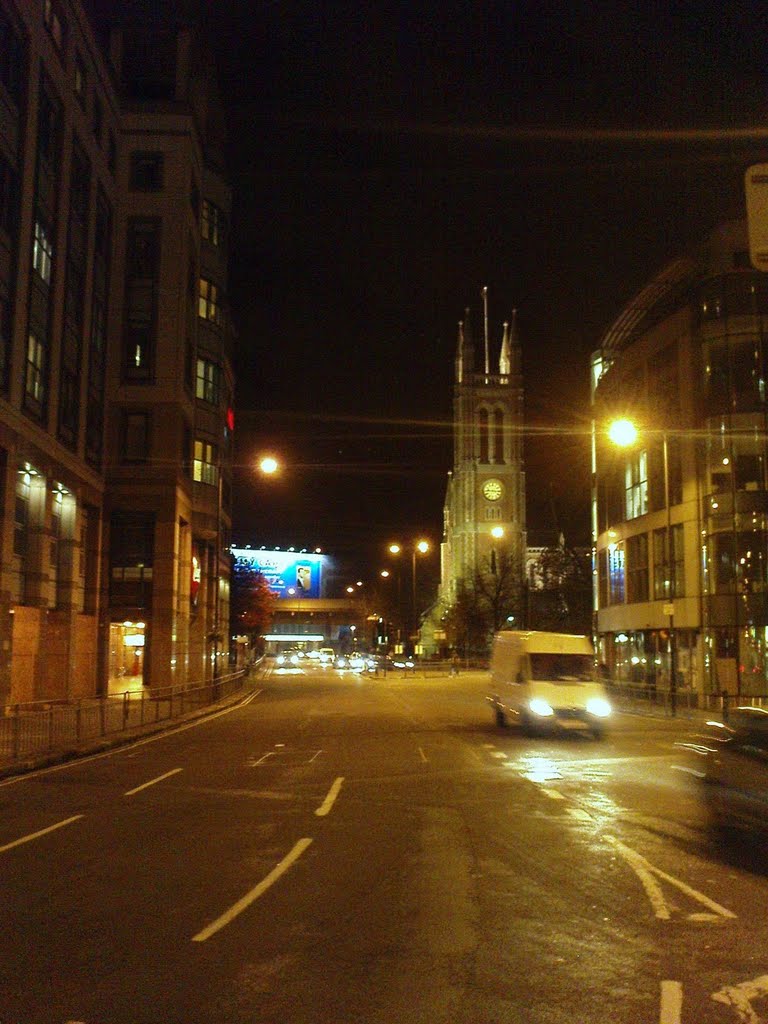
column 290, row 574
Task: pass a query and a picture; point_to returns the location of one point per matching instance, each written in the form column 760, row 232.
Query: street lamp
column 624, row 434
column 419, row 547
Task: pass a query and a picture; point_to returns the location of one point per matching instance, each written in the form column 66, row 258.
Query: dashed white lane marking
column 330, row 799
column 671, row 1002
column 422, row 755
column 256, row 891
column 41, row 832
column 579, row 814
column 645, row 872
column 264, row 757
column 553, row 794
column 153, row 782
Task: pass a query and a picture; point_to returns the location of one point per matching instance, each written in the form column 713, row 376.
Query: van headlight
column 540, row 707
column 599, row 707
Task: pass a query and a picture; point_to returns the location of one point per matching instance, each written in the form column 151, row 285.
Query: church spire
column 509, row 342
column 465, row 350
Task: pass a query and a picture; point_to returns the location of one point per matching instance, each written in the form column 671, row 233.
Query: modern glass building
column 680, row 516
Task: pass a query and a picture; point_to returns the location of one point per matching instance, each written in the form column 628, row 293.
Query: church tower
column 484, row 513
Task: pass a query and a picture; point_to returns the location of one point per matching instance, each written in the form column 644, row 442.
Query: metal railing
column 685, row 702
column 41, row 728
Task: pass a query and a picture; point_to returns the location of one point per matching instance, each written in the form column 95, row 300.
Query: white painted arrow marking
column 645, row 872
column 740, row 998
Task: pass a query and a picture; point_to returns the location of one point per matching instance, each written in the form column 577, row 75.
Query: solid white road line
column 42, row 832
column 553, row 794
column 671, row 1002
column 330, row 799
column 258, row 890
column 153, row 782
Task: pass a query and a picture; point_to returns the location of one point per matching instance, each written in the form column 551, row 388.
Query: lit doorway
column 126, row 657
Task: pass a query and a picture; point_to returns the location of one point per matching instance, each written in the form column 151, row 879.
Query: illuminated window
column 42, row 251
column 668, row 566
column 636, row 485
column 209, row 303
column 207, row 385
column 33, row 380
column 616, row 573
column 205, row 468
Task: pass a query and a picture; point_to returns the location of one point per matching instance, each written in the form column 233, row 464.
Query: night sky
column 388, row 161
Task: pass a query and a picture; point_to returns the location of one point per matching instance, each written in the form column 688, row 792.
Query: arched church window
column 484, row 432
column 498, row 436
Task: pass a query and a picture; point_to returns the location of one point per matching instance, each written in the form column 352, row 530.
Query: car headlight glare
column 599, row 707
column 541, row 707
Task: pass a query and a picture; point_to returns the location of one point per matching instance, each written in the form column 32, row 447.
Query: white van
column 545, row 681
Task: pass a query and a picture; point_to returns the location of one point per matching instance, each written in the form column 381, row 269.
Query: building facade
column 680, row 517
column 115, row 357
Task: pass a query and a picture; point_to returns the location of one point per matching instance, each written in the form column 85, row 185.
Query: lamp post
column 624, row 433
column 419, row 547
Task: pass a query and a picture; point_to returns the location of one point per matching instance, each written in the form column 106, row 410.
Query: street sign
column 669, row 608
column 756, row 188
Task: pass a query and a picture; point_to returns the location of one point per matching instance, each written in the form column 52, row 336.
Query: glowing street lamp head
column 497, row 532
column 623, row 433
column 394, row 549
column 423, row 546
column 268, row 465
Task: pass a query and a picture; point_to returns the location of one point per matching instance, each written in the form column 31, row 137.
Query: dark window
column 97, row 349
column 98, row 118
column 131, row 557
column 9, row 197
column 53, row 19
column 112, row 152
column 212, row 223
column 81, row 80
column 141, row 283
column 135, row 437
column 11, row 58
column 637, row 568
column 5, row 341
column 147, row 172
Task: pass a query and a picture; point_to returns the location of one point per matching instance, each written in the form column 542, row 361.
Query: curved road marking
column 330, row 799
column 256, row 891
column 42, row 832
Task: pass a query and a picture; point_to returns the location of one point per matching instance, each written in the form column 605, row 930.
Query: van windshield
column 562, row 667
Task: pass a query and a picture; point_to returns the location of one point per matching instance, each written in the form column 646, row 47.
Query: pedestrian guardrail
column 39, row 728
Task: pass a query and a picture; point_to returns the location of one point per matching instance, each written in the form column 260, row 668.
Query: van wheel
column 501, row 718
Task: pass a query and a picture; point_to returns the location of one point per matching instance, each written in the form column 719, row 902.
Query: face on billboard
column 285, row 571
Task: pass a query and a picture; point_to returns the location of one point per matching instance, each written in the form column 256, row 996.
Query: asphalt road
column 343, row 849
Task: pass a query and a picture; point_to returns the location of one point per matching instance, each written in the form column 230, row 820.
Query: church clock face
column 492, row 490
